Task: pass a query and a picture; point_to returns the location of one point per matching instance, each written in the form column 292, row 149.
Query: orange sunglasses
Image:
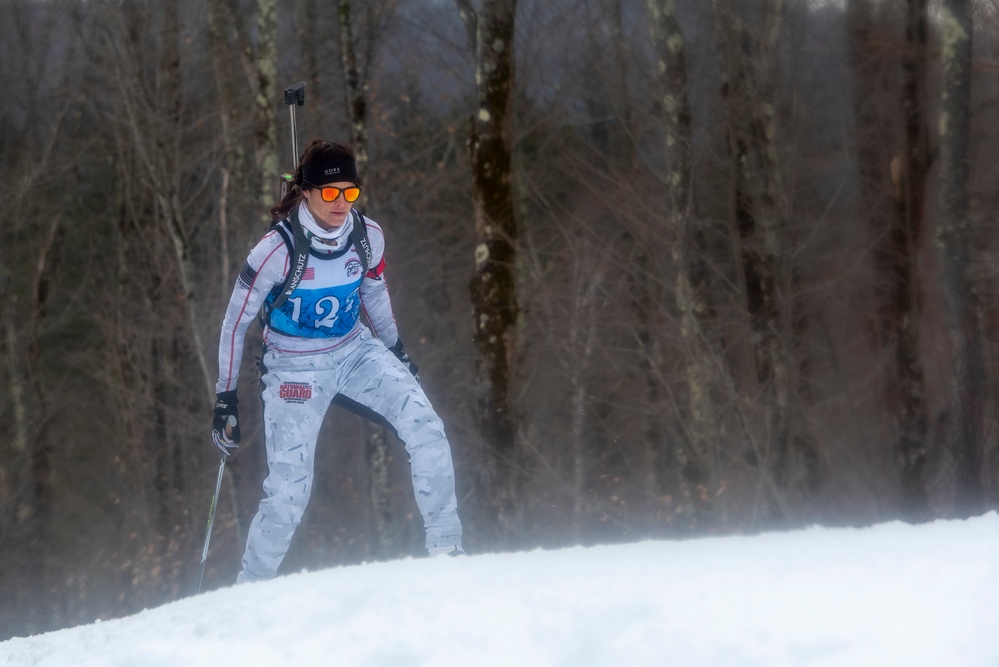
column 329, row 193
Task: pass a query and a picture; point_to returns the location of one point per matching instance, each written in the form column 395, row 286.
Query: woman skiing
column 316, row 350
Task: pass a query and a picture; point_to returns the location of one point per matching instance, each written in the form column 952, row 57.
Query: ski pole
column 211, row 520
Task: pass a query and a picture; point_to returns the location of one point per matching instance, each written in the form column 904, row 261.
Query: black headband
column 330, row 171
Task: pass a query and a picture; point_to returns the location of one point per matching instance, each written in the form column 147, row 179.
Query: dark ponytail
column 316, row 152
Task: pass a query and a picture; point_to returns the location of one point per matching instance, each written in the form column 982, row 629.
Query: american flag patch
column 309, row 273
column 247, row 276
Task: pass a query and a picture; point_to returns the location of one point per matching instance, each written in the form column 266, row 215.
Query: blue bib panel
column 327, row 303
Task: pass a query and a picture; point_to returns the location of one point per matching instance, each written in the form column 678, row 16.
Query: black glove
column 404, row 358
column 225, row 424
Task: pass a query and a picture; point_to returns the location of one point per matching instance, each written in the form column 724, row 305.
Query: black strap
column 359, row 236
column 298, row 248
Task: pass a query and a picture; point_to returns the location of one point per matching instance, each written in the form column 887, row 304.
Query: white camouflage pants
column 297, row 391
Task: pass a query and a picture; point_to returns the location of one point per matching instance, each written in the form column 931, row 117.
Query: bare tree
column 490, row 31
column 227, row 36
column 952, row 237
column 158, row 358
column 892, row 195
column 909, row 173
column 264, row 64
column 695, row 462
column 747, row 36
column 38, row 157
column 355, row 74
column 161, row 148
column 874, row 79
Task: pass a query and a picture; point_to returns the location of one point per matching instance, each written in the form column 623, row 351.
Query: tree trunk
column 747, row 44
column 493, row 287
column 356, row 77
column 909, row 173
column 265, row 67
column 234, row 170
column 892, row 193
column 873, row 82
column 26, row 511
column 376, row 442
column 960, row 295
column 695, row 461
column 584, row 321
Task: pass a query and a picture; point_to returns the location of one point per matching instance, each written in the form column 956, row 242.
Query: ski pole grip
column 295, row 94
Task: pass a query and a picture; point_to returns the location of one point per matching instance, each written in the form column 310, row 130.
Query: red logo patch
column 296, row 392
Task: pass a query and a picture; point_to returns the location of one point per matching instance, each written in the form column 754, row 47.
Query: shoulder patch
column 246, row 276
column 377, row 271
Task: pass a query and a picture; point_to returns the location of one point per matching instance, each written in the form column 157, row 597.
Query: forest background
column 669, row 269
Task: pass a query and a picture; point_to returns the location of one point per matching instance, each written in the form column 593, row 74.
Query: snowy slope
column 893, row 594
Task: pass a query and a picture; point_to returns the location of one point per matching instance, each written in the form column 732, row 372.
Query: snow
column 891, row 594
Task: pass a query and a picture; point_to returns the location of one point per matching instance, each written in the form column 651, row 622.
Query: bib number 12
column 326, row 310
